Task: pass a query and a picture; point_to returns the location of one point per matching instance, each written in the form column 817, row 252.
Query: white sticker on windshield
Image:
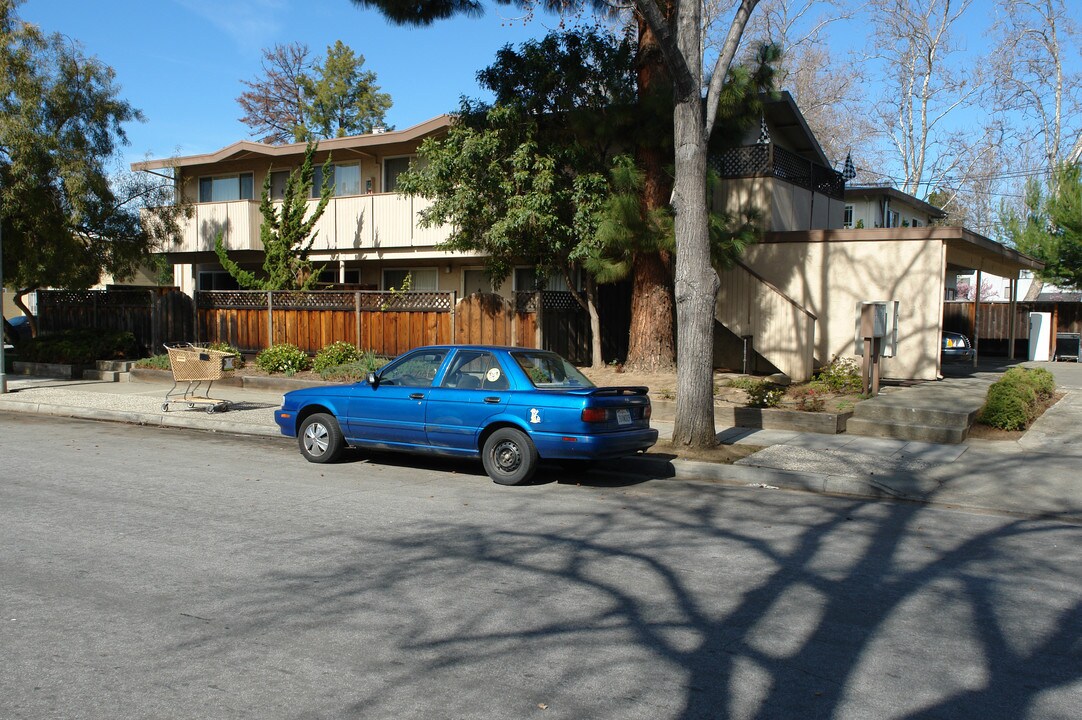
column 493, row 374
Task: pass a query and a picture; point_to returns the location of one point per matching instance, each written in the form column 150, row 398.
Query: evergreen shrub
column 335, row 354
column 283, row 358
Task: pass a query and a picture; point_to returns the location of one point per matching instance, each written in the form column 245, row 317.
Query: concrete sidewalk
column 1037, row 475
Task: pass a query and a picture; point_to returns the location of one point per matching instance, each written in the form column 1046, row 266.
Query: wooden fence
column 389, row 323
column 154, row 315
column 386, row 323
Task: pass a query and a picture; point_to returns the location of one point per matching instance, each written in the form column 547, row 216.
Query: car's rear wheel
column 320, row 439
column 509, row 457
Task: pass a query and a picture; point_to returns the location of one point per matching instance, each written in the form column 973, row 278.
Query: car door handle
column 417, row 396
column 492, row 400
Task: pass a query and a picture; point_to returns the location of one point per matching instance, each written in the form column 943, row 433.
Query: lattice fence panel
column 793, row 168
column 232, row 299
column 747, row 161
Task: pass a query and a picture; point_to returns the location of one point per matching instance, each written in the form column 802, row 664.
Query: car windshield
column 549, row 370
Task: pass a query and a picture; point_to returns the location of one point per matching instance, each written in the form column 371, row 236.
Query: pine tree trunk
column 651, row 345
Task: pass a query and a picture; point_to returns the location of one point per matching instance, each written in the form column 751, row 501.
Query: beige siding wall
column 830, row 278
column 359, row 222
column 238, row 222
column 784, row 206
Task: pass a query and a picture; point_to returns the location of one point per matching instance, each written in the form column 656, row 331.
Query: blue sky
column 182, row 61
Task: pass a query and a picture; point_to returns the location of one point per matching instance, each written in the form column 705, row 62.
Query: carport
column 975, row 253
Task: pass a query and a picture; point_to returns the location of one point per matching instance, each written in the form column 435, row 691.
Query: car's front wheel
column 320, row 439
column 509, row 457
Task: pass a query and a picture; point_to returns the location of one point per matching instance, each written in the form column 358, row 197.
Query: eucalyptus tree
column 69, row 214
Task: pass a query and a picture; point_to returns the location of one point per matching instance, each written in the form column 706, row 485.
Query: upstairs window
column 847, row 219
column 223, row 188
column 346, row 180
column 278, row 184
column 392, row 168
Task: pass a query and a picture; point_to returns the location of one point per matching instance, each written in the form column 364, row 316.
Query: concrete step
column 106, row 375
column 900, row 413
column 114, row 365
column 906, row 431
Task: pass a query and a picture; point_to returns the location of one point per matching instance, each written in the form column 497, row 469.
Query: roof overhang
column 246, row 149
column 785, row 120
column 874, row 191
column 964, row 249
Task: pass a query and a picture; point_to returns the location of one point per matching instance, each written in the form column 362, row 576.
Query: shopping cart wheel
column 191, row 405
column 320, row 439
column 165, row 407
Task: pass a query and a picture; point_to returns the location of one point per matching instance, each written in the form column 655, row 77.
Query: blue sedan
column 512, row 407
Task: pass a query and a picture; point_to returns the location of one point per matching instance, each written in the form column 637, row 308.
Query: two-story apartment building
column 369, row 236
column 874, row 206
column 791, row 301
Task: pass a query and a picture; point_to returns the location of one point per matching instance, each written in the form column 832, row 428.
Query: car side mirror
column 373, row 380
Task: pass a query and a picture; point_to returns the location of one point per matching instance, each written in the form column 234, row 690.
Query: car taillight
column 646, row 413
column 594, row 415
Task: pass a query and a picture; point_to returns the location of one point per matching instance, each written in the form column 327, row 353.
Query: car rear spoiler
column 621, row 390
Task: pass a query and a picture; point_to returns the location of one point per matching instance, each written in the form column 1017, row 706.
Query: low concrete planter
column 53, row 370
column 764, row 418
column 779, row 419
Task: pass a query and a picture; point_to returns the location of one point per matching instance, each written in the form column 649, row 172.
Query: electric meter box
column 877, row 319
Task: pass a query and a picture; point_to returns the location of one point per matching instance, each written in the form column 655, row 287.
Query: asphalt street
column 157, row 572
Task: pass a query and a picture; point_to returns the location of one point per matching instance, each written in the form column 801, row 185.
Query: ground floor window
column 475, row 280
column 421, row 279
column 217, row 280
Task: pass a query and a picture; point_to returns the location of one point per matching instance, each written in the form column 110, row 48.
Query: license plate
column 623, row 417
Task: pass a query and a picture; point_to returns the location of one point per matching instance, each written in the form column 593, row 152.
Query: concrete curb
column 164, row 419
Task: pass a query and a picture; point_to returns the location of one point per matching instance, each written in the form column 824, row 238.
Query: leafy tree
column 274, row 104
column 66, row 221
column 343, row 99
column 1051, row 227
column 286, row 232
column 299, row 99
column 675, row 31
column 523, row 177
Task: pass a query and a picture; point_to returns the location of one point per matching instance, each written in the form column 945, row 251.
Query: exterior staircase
column 929, row 412
column 779, row 328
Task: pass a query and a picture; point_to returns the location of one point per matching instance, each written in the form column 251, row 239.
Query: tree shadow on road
column 697, row 602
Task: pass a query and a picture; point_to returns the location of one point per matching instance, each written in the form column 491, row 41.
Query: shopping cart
column 195, row 365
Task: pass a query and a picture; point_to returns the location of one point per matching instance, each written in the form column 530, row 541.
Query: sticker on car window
column 493, row 374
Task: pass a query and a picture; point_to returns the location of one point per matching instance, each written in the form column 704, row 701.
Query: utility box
column 1040, row 336
column 877, row 319
column 1068, row 346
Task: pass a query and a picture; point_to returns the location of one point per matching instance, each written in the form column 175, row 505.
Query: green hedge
column 1015, row 400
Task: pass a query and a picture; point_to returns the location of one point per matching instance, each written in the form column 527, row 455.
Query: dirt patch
column 663, row 387
column 725, row 454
